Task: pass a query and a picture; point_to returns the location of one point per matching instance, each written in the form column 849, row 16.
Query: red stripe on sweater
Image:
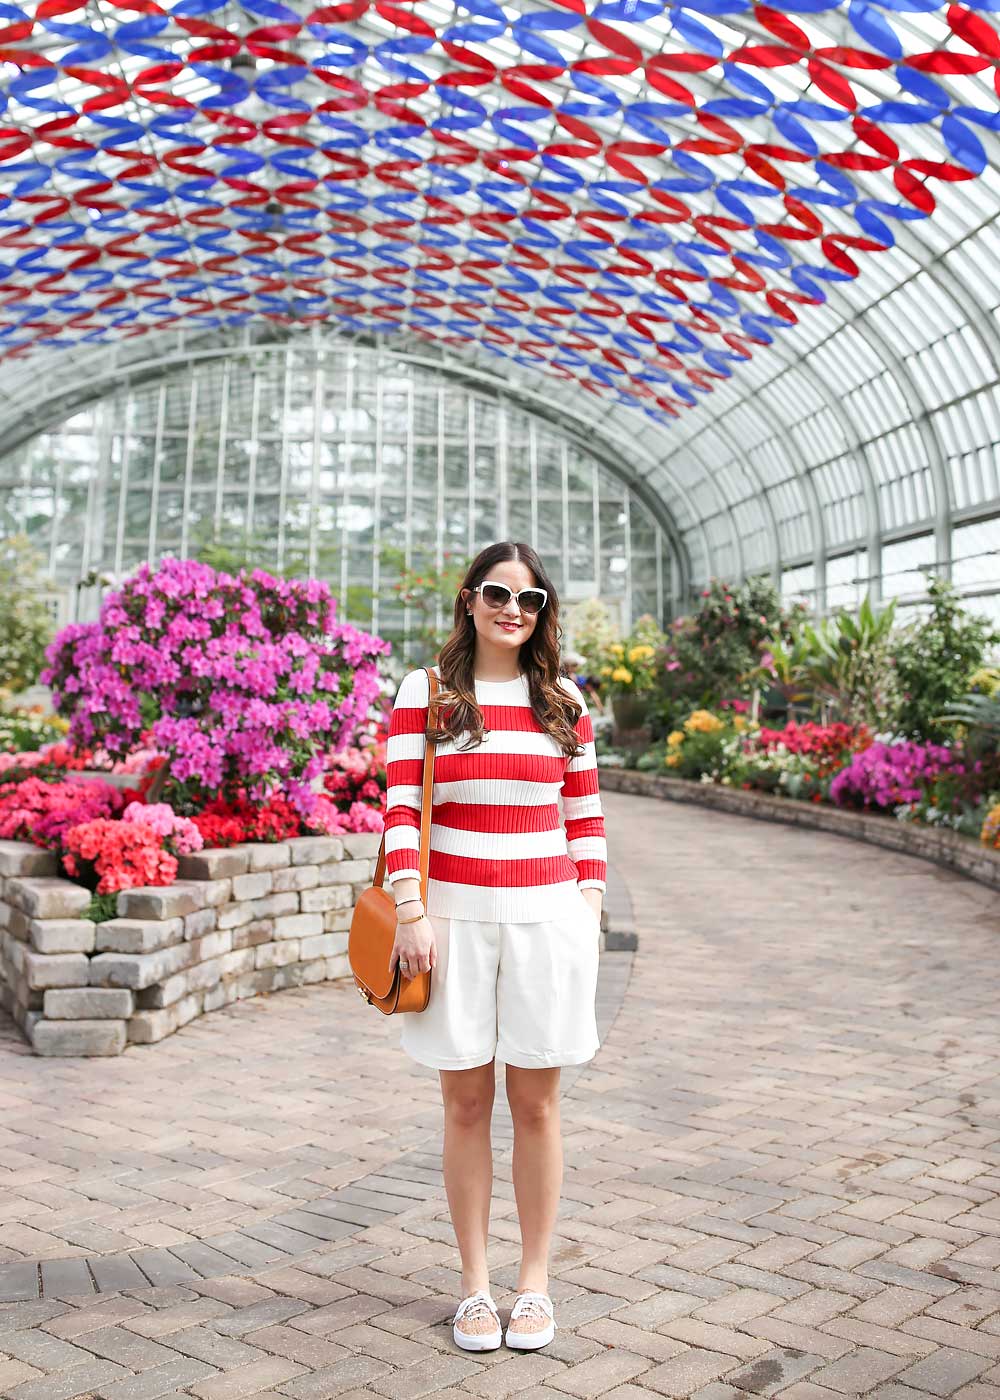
column 501, row 874
column 496, row 817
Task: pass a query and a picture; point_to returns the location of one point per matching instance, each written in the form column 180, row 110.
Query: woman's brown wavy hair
column 554, row 708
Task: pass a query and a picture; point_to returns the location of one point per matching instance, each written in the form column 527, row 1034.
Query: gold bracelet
column 410, row 921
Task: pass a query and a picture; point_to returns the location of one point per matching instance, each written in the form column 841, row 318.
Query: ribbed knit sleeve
column 584, row 816
column 404, row 762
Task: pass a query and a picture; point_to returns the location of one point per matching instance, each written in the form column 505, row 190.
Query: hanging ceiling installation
column 641, row 202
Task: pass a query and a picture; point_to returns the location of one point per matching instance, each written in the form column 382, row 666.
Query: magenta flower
column 889, row 775
column 239, row 681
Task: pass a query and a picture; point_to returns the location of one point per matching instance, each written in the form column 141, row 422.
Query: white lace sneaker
column 535, row 1313
column 477, row 1312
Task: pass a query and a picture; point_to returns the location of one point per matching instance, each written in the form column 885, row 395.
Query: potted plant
column 628, row 670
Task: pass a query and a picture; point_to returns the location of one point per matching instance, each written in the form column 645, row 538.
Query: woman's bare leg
column 468, row 1096
column 533, row 1095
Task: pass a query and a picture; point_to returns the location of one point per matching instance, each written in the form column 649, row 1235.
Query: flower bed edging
column 941, row 846
column 240, row 921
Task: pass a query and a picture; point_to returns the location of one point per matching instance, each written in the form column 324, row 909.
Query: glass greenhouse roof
column 758, row 243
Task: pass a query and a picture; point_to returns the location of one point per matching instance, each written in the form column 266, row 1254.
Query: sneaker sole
column 530, row 1341
column 489, row 1341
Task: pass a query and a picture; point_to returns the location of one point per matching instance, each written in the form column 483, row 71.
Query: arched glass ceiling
column 754, row 243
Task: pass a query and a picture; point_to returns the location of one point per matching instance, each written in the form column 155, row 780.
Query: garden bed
column 238, row 922
column 943, row 847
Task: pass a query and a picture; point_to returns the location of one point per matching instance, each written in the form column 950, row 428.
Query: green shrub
column 935, row 656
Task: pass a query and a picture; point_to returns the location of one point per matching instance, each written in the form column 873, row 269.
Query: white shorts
column 522, row 993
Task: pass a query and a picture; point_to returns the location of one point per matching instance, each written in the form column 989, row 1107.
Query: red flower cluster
column 827, row 743
column 123, row 855
column 231, row 823
column 358, row 774
column 63, row 755
column 42, row 812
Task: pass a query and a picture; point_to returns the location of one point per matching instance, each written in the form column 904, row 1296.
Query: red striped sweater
column 498, row 849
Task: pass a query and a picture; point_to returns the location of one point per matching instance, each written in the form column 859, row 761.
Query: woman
column 512, row 926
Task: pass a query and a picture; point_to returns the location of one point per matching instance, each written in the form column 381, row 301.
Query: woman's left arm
column 584, row 815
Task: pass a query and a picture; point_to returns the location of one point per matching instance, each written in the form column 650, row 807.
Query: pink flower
column 234, row 680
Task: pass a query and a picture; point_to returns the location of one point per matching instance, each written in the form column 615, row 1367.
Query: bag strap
column 425, row 803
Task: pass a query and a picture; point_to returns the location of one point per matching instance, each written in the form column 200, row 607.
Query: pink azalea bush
column 242, row 682
column 889, row 775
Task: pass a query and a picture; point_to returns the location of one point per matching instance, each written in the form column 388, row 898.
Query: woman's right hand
column 414, row 945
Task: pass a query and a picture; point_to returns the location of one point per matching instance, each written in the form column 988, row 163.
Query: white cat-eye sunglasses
column 498, row 595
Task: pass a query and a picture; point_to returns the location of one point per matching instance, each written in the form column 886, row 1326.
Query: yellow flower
column 605, row 670
column 616, row 649
column 990, row 834
column 621, row 673
column 986, row 679
column 703, row 722
column 739, row 723
column 675, row 738
column 672, row 760
column 642, row 652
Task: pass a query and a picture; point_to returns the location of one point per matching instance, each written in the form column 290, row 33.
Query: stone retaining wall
column 942, row 847
column 237, row 922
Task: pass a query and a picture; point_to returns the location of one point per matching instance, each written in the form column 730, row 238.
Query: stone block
column 215, row 892
column 62, row 935
column 323, row 945
column 165, row 993
column 336, row 919
column 16, row 922
column 202, row 922
column 267, row 855
column 14, row 953
column 160, row 902
column 212, row 945
column 314, row 971
column 235, row 915
column 338, row 967
column 362, row 845
column 238, row 962
column 138, row 970
column 88, row 1004
column 222, row 994
column 147, row 1027
column 346, row 872
column 205, row 974
column 296, row 877
column 326, row 897
column 138, row 935
column 291, row 975
column 274, row 905
column 254, row 934
column 257, row 983
column 42, row 897
column 298, row 925
column 214, row 863
column 46, row 970
column 276, row 954
column 254, row 886
column 78, row 1037
column 314, row 850
column 25, row 858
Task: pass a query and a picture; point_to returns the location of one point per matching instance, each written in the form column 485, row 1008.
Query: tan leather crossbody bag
column 373, row 924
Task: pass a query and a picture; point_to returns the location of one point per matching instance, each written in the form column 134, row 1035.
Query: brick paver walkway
column 782, row 1170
